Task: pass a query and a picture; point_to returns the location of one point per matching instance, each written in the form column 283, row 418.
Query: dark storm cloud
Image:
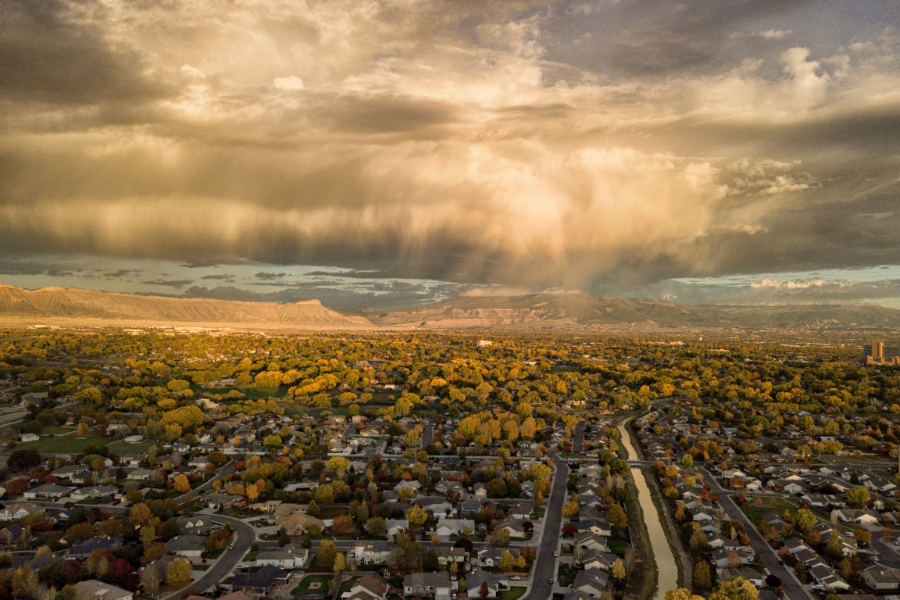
column 352, row 274
column 175, row 283
column 768, row 292
column 269, row 276
column 13, row 268
column 226, row 277
column 50, row 51
column 334, row 297
column 567, row 144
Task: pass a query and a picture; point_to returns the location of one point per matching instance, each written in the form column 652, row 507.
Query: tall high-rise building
column 881, row 353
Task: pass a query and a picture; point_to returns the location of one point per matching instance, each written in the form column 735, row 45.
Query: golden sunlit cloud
column 525, row 143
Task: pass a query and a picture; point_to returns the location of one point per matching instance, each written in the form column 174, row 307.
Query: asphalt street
column 226, row 470
column 544, row 568
column 245, row 535
column 579, row 438
column 792, row 588
column 427, row 436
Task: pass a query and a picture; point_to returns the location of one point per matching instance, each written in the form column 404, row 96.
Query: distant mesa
column 81, row 308
column 552, row 312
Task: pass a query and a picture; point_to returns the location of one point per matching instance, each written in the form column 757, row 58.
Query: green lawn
column 238, row 514
column 755, row 513
column 566, row 575
column 65, row 444
column 512, row 593
column 200, row 567
column 251, row 557
column 303, row 589
column 345, row 587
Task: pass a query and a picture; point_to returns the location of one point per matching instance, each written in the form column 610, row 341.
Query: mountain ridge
column 575, row 311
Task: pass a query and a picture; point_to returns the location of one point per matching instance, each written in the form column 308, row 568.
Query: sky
column 390, row 153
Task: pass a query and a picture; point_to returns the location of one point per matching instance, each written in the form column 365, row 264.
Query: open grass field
column 57, row 430
column 65, row 444
column 120, row 447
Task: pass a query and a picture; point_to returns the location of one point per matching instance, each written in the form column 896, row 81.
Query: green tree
column 272, row 442
column 805, row 519
column 618, row 570
column 178, row 573
column 497, row 488
column 702, row 578
column 857, row 497
column 376, row 526
column 182, row 484
column 500, row 537
column 325, row 555
column 150, row 580
column 416, row 516
column 616, row 517
column 338, row 465
column 835, row 548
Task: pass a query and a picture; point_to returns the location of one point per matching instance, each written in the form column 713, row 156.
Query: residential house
column 373, row 553
column 194, row 525
column 97, row 590
column 881, row 578
column 14, row 512
column 496, row 582
column 96, row 491
column 50, row 490
column 447, row 527
column 217, row 500
column 593, row 559
column 82, row 550
column 447, row 555
column 368, row 587
column 298, row 523
column 293, row 558
column 187, row 546
column 13, row 535
column 591, row 541
column 860, row 517
column 515, row 527
column 592, row 581
column 257, row 582
column 395, row 526
column 435, row 585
